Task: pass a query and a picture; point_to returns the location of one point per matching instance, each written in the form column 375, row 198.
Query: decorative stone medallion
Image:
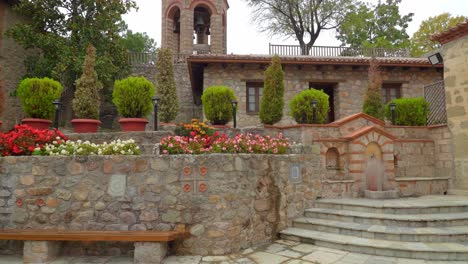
column 203, row 170
column 19, row 202
column 117, row 185
column 40, row 202
column 203, row 187
column 187, row 171
column 187, row 188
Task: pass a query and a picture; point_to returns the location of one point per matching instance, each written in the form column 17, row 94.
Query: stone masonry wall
column 349, row 92
column 455, row 55
column 227, row 202
column 11, row 58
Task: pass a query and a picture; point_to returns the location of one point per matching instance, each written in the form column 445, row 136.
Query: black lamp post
column 234, row 116
column 314, row 111
column 392, row 109
column 58, row 107
column 155, row 105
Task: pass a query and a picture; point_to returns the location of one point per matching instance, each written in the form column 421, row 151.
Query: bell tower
column 194, row 26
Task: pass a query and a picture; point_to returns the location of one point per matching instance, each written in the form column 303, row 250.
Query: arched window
column 332, row 159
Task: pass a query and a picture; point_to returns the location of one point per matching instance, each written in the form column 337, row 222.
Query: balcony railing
column 325, row 51
column 142, row 58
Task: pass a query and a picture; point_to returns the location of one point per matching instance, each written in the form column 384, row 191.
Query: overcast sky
column 244, row 38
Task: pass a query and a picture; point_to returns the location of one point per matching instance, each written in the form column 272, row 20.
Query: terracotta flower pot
column 133, row 124
column 37, row 123
column 85, row 125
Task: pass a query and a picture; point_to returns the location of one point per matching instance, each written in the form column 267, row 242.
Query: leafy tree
column 303, row 20
column 86, row 102
column 375, row 26
column 272, row 104
column 138, row 42
column 373, row 103
column 62, row 29
column 165, row 86
column 2, row 93
column 421, row 42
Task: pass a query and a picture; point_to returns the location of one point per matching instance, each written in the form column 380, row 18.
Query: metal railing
column 142, row 58
column 434, row 94
column 326, row 51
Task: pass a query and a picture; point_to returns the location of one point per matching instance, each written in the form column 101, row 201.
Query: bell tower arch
column 194, row 26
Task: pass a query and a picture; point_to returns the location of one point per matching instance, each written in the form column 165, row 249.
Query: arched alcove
column 332, row 159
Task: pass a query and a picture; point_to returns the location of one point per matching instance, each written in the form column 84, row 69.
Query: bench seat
column 42, row 246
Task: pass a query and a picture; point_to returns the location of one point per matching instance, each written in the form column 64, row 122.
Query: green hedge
column 217, row 104
column 409, row 111
column 301, row 107
column 132, row 96
column 36, row 96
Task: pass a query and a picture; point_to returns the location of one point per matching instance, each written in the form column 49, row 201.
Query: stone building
column 196, row 31
column 12, row 58
column 455, row 55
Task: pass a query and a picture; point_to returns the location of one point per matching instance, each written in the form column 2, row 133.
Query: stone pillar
column 40, row 251
column 149, row 252
column 455, row 54
column 186, row 32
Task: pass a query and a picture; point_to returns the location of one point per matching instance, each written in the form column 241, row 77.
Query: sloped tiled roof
column 458, row 31
column 266, row 59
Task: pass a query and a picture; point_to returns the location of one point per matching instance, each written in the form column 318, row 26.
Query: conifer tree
column 272, row 104
column 373, row 104
column 166, row 87
column 87, row 101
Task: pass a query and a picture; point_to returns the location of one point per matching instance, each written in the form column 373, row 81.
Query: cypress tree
column 373, row 104
column 272, row 104
column 166, row 87
column 87, row 100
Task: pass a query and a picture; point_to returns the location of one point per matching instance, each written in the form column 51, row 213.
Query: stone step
column 418, row 250
column 399, row 206
column 394, row 233
column 408, row 220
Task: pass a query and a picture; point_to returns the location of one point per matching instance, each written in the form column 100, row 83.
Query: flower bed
column 79, row 148
column 23, row 140
column 196, row 138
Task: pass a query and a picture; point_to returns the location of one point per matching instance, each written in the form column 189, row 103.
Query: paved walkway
column 280, row 252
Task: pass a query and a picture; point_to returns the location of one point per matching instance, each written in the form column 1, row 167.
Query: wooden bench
column 42, row 246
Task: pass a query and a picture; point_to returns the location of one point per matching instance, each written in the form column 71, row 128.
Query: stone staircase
column 430, row 227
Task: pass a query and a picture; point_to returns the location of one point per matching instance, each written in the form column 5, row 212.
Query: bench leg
column 149, row 252
column 40, row 251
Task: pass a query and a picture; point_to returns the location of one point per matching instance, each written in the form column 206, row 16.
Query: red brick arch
column 206, row 4
column 172, row 8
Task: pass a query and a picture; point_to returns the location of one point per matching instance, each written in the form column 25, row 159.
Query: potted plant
column 36, row 96
column 217, row 105
column 132, row 97
column 86, row 102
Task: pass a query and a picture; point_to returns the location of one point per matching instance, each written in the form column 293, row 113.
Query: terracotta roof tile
column 387, row 61
column 458, row 31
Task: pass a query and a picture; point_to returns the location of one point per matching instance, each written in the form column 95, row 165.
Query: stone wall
column 349, row 92
column 11, row 58
column 227, row 202
column 455, row 55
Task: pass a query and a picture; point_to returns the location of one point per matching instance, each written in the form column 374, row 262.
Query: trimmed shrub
column 217, row 104
column 409, row 111
column 166, row 87
column 86, row 102
column 272, row 104
column 373, row 103
column 36, row 96
column 132, row 96
column 301, row 107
